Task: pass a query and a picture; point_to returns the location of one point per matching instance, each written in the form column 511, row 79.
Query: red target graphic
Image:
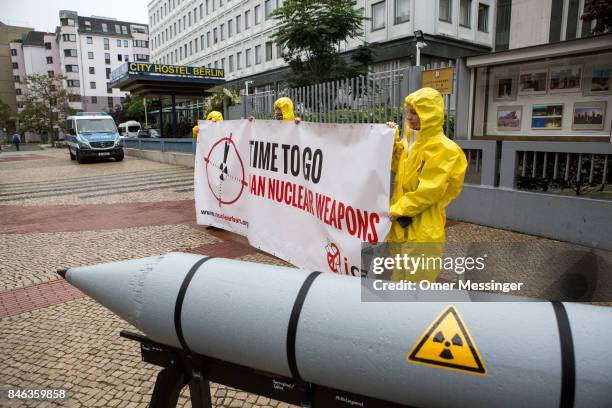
column 225, row 171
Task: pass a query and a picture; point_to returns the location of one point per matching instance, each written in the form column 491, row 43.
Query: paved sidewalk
column 55, row 213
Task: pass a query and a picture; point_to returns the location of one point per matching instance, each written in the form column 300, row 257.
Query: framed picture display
column 505, row 87
column 566, row 78
column 589, row 115
column 533, row 81
column 547, row 116
column 509, row 117
column 597, row 80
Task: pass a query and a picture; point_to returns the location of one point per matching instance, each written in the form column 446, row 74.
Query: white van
column 93, row 134
column 129, row 128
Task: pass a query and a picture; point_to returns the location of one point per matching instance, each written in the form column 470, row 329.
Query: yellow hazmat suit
column 286, row 106
column 428, row 176
column 215, row 116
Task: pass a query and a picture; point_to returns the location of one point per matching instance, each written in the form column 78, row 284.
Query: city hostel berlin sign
column 143, row 68
column 440, row 79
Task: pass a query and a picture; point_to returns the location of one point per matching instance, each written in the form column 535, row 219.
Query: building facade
column 236, row 35
column 526, row 23
column 85, row 50
column 8, row 34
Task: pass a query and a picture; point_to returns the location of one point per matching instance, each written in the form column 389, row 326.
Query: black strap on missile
column 293, row 324
column 178, row 308
column 568, row 362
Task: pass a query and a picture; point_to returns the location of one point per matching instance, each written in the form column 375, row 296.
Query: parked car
column 148, row 133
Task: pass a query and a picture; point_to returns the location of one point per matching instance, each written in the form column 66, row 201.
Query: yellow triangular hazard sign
column 448, row 344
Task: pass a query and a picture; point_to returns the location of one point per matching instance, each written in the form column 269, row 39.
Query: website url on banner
column 224, row 217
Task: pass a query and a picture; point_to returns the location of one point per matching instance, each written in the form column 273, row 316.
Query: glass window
column 89, row 40
column 104, row 28
column 117, row 29
column 483, row 18
column 108, row 73
column 247, row 56
column 247, row 19
column 124, row 30
column 221, row 30
column 402, row 11
column 72, row 68
column 92, row 85
column 107, row 58
column 94, row 99
column 268, row 8
column 231, row 63
column 207, row 7
column 119, row 57
column 446, row 10
column 13, row 52
column 90, row 55
column 92, row 70
column 88, row 25
column 378, row 15
column 202, row 44
column 222, row 66
column 16, row 78
column 239, row 60
column 118, row 43
column 256, row 13
column 51, row 74
column 48, row 45
column 258, row 54
column 465, row 13
column 106, row 44
column 208, row 39
column 69, row 37
column 110, row 103
column 15, row 65
column 49, row 60
column 230, row 28
column 269, row 51
column 125, row 43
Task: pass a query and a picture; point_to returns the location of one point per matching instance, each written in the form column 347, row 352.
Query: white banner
column 309, row 193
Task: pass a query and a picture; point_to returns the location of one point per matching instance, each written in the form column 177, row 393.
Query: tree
column 218, row 99
column 601, row 12
column 6, row 117
column 46, row 105
column 310, row 31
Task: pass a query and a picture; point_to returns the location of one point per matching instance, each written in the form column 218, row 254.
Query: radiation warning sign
column 448, row 344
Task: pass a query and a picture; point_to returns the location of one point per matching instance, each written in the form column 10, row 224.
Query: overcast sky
column 43, row 15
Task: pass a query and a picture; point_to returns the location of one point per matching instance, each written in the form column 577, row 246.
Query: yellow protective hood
column 429, row 105
column 286, row 106
column 215, row 116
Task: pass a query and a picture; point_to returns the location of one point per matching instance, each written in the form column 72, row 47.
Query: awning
column 146, row 79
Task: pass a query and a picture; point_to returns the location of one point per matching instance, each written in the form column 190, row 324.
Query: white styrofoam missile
column 314, row 327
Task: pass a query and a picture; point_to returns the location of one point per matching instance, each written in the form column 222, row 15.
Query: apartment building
column 85, row 50
column 236, row 34
column 8, row 34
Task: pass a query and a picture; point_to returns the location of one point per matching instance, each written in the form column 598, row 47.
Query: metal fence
column 185, row 145
column 373, row 98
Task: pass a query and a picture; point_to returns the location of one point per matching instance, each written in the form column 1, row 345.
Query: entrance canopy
column 146, row 79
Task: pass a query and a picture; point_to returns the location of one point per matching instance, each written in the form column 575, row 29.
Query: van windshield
column 133, row 128
column 96, row 126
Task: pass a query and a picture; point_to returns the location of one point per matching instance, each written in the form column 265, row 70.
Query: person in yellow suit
column 429, row 174
column 283, row 110
column 215, row 116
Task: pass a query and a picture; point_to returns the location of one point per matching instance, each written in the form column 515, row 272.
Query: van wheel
column 119, row 157
column 72, row 156
column 79, row 157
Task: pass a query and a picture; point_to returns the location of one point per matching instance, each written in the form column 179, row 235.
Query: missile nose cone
column 62, row 273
